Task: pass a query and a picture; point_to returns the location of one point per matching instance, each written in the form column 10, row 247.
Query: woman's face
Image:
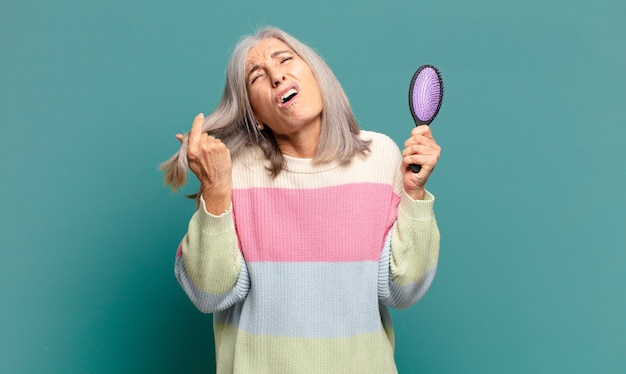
column 283, row 91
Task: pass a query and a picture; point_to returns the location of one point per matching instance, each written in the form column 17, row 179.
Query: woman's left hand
column 421, row 149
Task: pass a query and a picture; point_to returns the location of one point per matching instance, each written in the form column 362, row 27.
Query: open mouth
column 288, row 96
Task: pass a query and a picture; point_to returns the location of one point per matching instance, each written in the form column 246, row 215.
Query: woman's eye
column 285, row 59
column 255, row 78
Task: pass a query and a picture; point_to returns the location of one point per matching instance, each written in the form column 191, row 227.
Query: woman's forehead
column 266, row 49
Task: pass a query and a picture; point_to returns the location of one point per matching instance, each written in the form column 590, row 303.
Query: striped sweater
column 300, row 271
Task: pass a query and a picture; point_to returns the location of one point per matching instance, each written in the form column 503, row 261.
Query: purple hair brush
column 425, row 96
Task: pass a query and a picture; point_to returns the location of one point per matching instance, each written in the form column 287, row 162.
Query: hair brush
column 425, row 96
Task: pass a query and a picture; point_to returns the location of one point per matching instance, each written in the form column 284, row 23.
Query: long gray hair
column 234, row 123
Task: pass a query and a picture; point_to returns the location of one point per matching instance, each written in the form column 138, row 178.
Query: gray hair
column 234, row 123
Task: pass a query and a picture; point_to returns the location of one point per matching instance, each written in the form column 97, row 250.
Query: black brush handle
column 415, row 168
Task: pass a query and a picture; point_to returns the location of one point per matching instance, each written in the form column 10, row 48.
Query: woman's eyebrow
column 256, row 67
column 274, row 54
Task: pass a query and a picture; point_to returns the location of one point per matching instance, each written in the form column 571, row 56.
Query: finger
column 423, row 130
column 418, row 149
column 419, row 140
column 196, row 129
column 414, row 140
column 412, row 149
column 429, row 150
column 215, row 147
column 208, row 142
column 424, row 161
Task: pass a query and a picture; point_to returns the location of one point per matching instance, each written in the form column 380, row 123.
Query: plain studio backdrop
column 529, row 188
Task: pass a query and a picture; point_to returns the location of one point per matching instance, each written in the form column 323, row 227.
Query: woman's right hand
column 210, row 161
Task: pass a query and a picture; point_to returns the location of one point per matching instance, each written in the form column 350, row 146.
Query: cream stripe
column 381, row 166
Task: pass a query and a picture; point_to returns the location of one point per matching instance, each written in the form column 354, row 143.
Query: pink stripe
column 179, row 251
column 332, row 224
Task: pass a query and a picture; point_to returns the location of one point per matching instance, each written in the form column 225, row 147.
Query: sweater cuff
column 417, row 209
column 212, row 224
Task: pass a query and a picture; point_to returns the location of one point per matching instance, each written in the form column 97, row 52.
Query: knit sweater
column 300, row 271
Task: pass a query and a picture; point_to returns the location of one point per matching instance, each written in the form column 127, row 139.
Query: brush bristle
column 426, row 94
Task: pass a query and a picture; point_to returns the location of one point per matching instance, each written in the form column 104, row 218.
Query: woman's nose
column 277, row 77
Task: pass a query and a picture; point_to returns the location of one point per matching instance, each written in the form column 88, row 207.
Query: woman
column 307, row 228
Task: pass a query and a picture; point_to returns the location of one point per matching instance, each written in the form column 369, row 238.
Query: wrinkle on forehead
column 266, row 50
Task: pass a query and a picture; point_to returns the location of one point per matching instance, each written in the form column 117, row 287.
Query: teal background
column 530, row 186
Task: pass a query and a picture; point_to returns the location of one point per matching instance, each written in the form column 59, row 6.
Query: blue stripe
column 207, row 302
column 402, row 297
column 309, row 300
column 394, row 295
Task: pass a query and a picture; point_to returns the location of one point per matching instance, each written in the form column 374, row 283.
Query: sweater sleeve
column 209, row 265
column 408, row 261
